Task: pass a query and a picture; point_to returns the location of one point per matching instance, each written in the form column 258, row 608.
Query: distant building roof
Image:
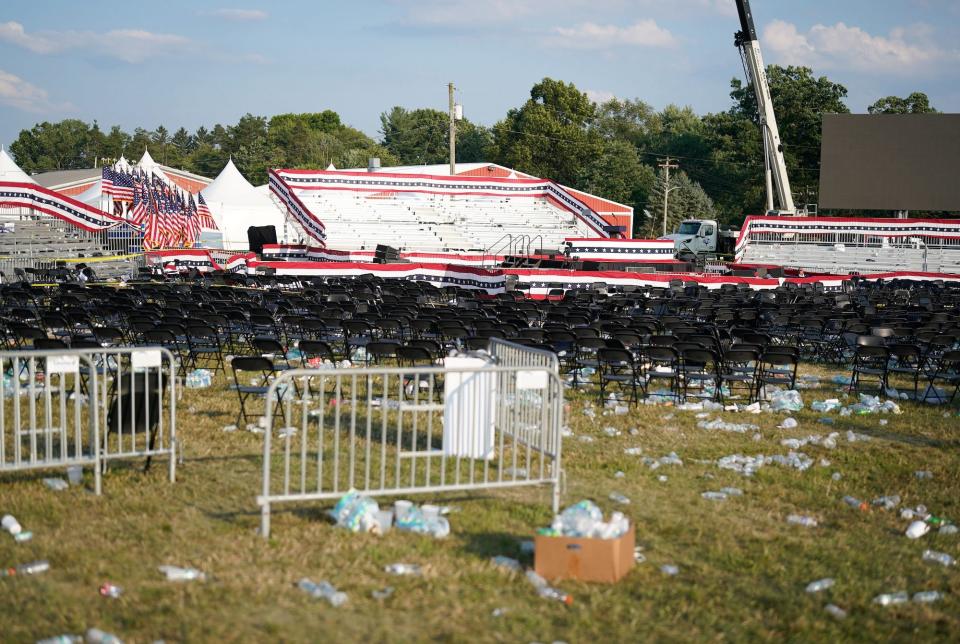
column 63, row 178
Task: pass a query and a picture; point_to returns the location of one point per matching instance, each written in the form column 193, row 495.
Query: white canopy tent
column 236, row 205
column 10, row 171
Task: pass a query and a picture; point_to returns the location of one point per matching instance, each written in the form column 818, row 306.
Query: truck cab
column 695, row 236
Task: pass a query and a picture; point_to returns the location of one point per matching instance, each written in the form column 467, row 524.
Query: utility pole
column 667, row 166
column 453, row 132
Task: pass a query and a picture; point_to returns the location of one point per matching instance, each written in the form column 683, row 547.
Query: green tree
column 799, row 101
column 115, row 143
column 416, row 137
column 617, row 174
column 916, row 103
column 549, row 136
column 53, row 146
column 686, row 200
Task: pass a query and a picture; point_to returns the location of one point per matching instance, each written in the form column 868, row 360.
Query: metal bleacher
column 854, row 258
column 423, row 222
column 44, row 243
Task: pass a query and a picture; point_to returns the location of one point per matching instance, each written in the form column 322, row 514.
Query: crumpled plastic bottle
column 941, row 558
column 355, row 512
column 323, row 590
column 547, row 591
column 786, row 400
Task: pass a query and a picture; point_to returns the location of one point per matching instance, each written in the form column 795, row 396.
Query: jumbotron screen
column 890, row 162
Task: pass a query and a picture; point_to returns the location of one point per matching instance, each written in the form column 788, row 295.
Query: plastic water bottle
column 835, row 611
column 545, row 590
column 714, row 496
column 854, row 502
column 799, row 519
column 175, row 573
column 62, row 639
column 820, row 584
column 32, row 568
column 96, row 636
column 616, row 497
column 403, row 569
column 941, row 558
column 323, row 590
column 890, row 599
column 927, row 596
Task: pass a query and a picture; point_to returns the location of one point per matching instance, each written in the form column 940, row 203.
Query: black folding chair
column 252, row 365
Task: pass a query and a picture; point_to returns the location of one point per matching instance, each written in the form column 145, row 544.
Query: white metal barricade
column 86, row 407
column 381, row 431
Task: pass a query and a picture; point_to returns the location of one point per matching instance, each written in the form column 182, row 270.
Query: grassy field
column 743, row 568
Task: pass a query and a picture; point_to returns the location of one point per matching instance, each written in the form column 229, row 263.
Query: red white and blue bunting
column 619, row 250
column 42, row 200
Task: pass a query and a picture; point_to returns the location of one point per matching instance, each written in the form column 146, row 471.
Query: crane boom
column 746, row 40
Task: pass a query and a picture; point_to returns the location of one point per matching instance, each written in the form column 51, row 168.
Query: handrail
column 491, row 250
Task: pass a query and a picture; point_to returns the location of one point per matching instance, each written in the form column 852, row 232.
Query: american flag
column 206, row 219
column 139, row 210
column 193, row 223
column 122, row 186
column 106, row 180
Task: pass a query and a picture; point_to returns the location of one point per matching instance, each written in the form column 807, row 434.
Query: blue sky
column 198, row 63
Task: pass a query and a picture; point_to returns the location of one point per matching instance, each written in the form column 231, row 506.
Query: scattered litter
column 799, row 519
column 638, row 555
column 287, row 432
column 97, row 636
column 670, row 569
column 176, row 573
column 835, row 611
column 820, row 584
column 110, row 590
column 824, row 406
column 718, row 424
column 356, row 512
column 425, row 519
column 856, row 503
column 836, row 476
column 840, row 380
column 498, row 612
column 887, row 502
column 380, row 595
column 788, row 400
column 62, row 639
column 230, row 428
column 586, row 439
column 506, row 563
column 611, row 431
column 32, row 568
column 788, row 423
column 883, row 421
column 11, row 525
column 634, row 432
column 585, row 519
column 927, row 596
column 891, row 599
column 732, row 491
column 941, row 558
column 917, row 529
column 663, row 479
column 948, row 529
column 75, row 474
column 714, row 496
column 405, row 569
column 199, row 379
column 57, row 485
column 923, row 475
column 619, row 474
column 633, row 451
column 621, row 410
column 547, row 591
column 853, row 437
column 323, row 590
column 616, row 497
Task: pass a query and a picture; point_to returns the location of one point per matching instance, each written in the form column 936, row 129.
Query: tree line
column 613, row 149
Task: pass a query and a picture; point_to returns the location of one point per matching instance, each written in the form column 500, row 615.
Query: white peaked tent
column 10, row 171
column 236, row 205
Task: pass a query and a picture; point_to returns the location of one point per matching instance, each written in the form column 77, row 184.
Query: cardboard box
column 601, row 560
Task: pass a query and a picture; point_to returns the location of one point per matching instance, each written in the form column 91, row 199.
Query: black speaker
column 590, row 266
column 257, row 236
column 384, row 254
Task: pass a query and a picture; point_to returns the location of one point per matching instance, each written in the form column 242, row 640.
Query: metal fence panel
column 409, row 430
column 86, row 407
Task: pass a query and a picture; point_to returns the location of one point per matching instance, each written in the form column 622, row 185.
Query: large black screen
column 890, row 162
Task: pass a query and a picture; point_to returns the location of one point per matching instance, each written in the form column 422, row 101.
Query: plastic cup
column 401, row 508
column 385, row 519
column 430, row 512
column 75, row 474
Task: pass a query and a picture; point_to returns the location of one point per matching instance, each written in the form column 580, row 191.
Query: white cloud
column 589, row 35
column 18, row 93
column 239, row 15
column 129, row 45
column 839, row 46
column 599, row 96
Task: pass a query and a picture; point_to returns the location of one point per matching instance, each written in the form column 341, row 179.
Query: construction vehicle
column 702, row 239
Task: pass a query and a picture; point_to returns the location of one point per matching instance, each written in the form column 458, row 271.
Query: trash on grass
column 323, row 590
column 176, row 573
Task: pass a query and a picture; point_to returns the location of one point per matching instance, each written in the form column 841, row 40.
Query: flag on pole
column 203, row 211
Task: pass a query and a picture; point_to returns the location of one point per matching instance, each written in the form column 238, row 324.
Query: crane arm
column 746, row 40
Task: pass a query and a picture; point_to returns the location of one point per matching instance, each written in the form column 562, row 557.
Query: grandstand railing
column 415, row 430
column 852, row 244
column 86, row 407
